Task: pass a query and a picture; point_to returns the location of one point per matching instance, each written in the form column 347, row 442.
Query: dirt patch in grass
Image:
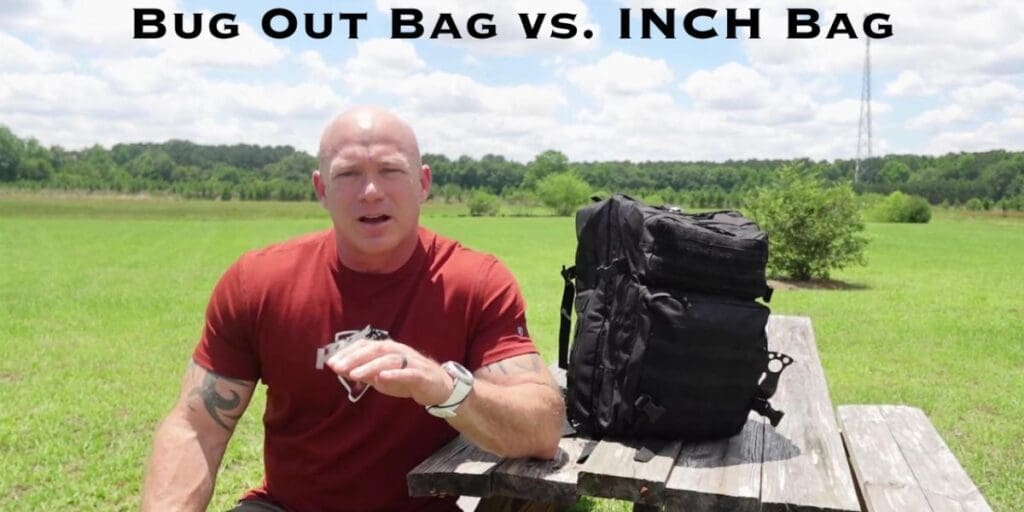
column 6, row 377
column 17, row 491
column 986, row 409
column 814, row 284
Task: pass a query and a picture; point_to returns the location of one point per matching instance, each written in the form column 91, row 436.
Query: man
column 348, row 415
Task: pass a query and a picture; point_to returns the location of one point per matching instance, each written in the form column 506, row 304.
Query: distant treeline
column 249, row 172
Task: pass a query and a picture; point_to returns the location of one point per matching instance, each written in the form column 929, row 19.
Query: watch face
column 458, row 371
column 463, row 385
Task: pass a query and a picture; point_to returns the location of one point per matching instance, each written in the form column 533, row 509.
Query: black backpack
column 669, row 341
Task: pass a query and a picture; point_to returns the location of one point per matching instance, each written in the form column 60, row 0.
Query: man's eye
column 345, row 174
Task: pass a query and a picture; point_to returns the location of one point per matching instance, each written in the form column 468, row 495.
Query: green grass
column 101, row 301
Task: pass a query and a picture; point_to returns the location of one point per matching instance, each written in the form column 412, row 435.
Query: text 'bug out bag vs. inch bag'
column 670, row 342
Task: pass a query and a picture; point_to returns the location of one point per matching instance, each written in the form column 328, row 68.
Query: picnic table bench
column 899, row 461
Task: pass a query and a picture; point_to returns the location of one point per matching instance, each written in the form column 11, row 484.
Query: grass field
column 101, row 302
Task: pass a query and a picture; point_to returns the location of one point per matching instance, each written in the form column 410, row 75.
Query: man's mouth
column 374, row 219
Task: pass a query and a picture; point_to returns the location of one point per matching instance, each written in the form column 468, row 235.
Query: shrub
column 483, row 204
column 563, row 192
column 975, row 204
column 813, row 229
column 520, row 202
column 900, row 207
column 543, row 165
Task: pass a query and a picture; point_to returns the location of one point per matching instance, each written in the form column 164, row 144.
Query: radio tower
column 864, row 126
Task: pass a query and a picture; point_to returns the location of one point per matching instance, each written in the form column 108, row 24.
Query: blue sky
column 950, row 79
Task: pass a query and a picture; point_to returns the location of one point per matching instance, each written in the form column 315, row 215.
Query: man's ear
column 424, row 182
column 318, row 185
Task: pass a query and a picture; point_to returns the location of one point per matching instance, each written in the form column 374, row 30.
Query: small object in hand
column 356, row 390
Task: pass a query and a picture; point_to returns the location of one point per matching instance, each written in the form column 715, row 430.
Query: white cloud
column 620, row 74
column 935, row 44
column 439, row 92
column 779, row 118
column 729, row 87
column 454, row 113
column 77, row 109
column 380, row 62
column 641, row 113
column 71, row 76
column 394, row 67
column 940, row 118
column 319, row 69
column 653, row 127
column 517, row 137
column 75, row 25
column 60, row 93
column 104, row 30
column 12, row 9
column 19, row 56
column 141, row 75
column 741, row 95
column 996, row 95
column 909, row 83
column 277, row 102
column 940, row 43
column 847, row 112
column 999, row 134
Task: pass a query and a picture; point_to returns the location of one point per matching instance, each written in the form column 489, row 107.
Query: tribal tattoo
column 511, row 366
column 215, row 403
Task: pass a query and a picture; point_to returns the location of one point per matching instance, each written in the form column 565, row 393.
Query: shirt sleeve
column 499, row 330
column 226, row 345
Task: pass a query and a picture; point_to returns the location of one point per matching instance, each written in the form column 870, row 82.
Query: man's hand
column 515, row 409
column 394, row 369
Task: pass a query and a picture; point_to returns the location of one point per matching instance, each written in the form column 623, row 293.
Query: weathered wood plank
column 914, row 460
column 460, row 468
column 552, row 481
column 611, row 472
column 719, row 475
column 886, row 481
column 940, row 475
column 804, row 463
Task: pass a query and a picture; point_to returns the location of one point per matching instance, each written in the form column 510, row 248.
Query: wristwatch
column 463, row 385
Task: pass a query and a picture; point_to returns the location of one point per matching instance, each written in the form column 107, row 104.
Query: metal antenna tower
column 864, row 126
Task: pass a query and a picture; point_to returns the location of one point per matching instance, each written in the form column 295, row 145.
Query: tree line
column 251, row 172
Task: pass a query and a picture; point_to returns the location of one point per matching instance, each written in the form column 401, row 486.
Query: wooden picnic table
column 799, row 465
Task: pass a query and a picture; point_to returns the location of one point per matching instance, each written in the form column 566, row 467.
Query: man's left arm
column 514, row 410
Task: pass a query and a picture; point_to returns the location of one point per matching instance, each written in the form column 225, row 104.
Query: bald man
column 378, row 340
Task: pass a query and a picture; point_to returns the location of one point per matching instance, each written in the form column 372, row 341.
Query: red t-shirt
column 273, row 312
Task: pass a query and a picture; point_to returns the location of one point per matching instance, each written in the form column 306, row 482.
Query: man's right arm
column 190, row 442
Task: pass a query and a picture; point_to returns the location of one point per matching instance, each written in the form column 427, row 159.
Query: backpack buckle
column 762, row 407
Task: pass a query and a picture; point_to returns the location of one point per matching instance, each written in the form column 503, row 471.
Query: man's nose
column 371, row 189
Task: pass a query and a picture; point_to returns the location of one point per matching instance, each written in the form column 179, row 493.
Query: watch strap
column 461, row 389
